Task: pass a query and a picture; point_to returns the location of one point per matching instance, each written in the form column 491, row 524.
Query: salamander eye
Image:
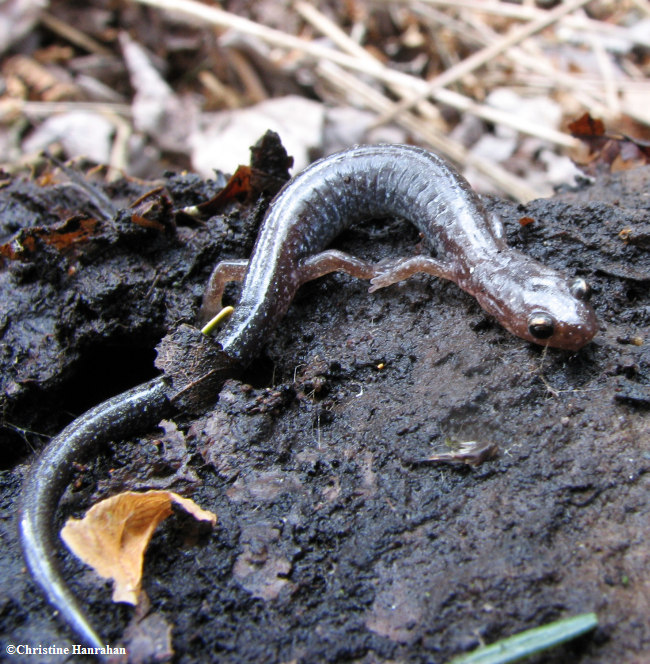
column 580, row 288
column 540, row 325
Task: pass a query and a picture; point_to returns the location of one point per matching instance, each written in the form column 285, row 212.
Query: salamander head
column 558, row 313
column 541, row 305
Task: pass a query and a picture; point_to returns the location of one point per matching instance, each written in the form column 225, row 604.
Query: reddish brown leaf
column 64, row 237
column 238, row 187
column 608, row 152
column 586, row 126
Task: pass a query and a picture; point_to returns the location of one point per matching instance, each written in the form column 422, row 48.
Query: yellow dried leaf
column 114, row 534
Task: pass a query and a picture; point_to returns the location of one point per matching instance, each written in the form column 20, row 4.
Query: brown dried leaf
column 608, row 152
column 66, row 236
column 587, row 127
column 238, row 187
column 114, row 534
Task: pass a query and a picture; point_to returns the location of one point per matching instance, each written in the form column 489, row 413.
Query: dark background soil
column 333, row 542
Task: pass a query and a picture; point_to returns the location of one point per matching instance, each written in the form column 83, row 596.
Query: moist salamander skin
column 527, row 298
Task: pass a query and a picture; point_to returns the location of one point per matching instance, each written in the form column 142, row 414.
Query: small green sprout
column 209, row 327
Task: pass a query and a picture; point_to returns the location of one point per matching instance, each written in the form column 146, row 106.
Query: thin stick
column 331, row 30
column 119, row 158
column 221, row 93
column 458, row 27
column 73, row 35
column 254, row 88
column 214, row 323
column 506, row 9
column 37, row 109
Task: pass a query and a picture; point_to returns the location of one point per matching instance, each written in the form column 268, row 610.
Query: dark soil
column 335, row 542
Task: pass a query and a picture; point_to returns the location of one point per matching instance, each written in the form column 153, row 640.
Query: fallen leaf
column 587, row 127
column 268, row 171
column 608, row 152
column 114, row 534
column 66, row 236
column 239, row 186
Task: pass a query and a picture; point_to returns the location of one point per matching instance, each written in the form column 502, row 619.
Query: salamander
column 527, row 298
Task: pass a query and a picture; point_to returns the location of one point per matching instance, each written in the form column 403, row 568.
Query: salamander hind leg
column 392, row 271
column 222, row 275
column 333, row 260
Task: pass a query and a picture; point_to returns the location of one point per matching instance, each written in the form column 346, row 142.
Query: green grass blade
column 530, row 642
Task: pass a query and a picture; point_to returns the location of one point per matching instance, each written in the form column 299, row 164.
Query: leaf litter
column 207, row 81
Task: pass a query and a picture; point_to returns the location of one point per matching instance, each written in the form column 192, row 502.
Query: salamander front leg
column 393, row 271
column 335, row 261
column 222, row 275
